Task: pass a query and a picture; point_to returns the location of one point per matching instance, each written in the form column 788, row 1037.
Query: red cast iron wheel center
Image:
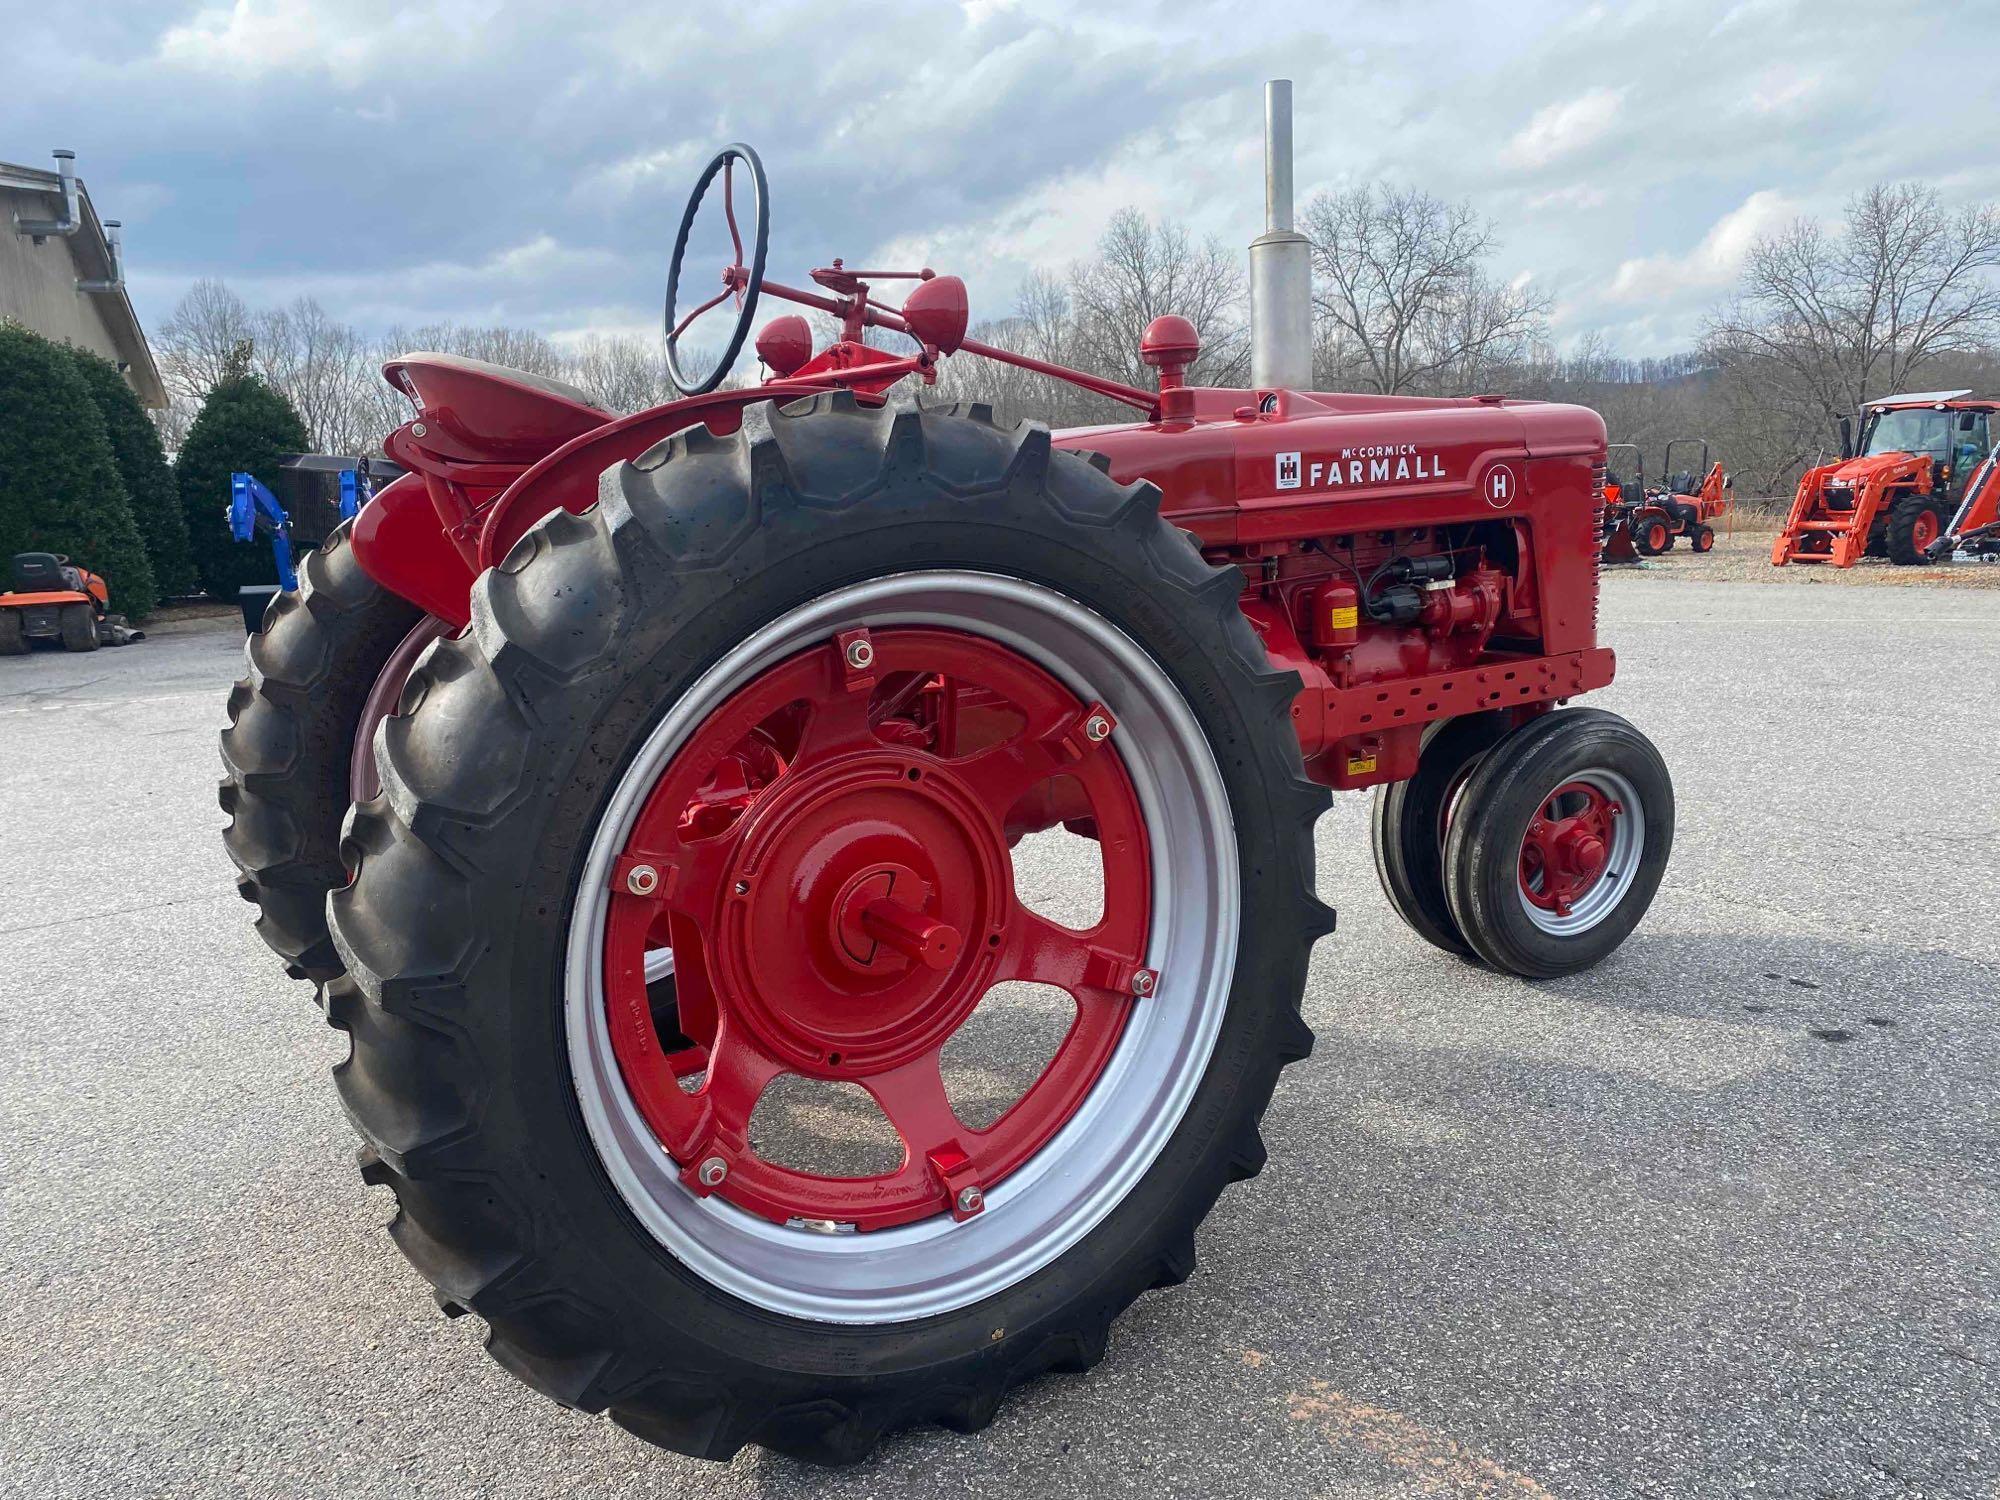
column 843, row 911
column 850, row 895
column 1567, row 846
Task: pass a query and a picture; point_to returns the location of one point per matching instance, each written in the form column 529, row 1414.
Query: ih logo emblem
column 1288, row 471
column 1500, row 486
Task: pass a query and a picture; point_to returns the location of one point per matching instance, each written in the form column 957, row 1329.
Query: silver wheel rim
column 1047, row 1205
column 1621, row 863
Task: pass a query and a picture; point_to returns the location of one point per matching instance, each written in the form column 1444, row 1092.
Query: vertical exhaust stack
column 1280, row 263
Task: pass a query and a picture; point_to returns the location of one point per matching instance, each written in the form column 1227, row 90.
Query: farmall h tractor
column 609, row 768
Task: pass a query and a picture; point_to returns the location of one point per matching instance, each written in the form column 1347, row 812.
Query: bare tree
column 195, row 343
column 324, row 368
column 1093, row 317
column 621, row 373
column 1826, row 318
column 1142, row 270
column 1402, row 296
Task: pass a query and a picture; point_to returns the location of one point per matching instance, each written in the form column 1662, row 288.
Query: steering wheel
column 739, row 281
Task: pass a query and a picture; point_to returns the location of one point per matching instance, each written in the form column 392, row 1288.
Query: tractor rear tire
column 79, row 627
column 13, row 642
column 1702, row 539
column 1572, row 774
column 1915, row 521
column 1410, row 821
column 604, row 652
column 288, row 750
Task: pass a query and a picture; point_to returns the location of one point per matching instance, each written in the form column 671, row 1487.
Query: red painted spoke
column 1045, row 952
column 698, row 869
column 738, row 1072
column 913, row 1098
column 838, row 722
column 714, row 301
column 1001, row 776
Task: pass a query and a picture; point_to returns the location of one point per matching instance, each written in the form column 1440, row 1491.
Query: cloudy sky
column 406, row 161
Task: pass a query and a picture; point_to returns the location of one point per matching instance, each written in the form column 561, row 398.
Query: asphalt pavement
column 1716, row 1219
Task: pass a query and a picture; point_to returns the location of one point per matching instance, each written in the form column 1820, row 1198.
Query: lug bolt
column 417, row 429
column 712, row 1171
column 642, row 880
column 1097, row 728
column 860, row 654
column 1144, row 981
column 970, row 1200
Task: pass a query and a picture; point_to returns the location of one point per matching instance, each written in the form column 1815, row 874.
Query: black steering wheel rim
column 753, row 284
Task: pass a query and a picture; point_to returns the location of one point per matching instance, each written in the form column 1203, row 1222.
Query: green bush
column 142, row 463
column 244, row 426
column 60, row 490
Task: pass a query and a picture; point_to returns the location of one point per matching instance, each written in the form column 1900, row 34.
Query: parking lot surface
column 1718, row 1218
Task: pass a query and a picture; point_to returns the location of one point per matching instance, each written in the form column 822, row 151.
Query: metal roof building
column 61, row 272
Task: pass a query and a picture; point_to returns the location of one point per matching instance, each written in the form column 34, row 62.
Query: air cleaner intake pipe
column 1280, row 263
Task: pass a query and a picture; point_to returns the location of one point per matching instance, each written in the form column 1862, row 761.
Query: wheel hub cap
column 844, row 913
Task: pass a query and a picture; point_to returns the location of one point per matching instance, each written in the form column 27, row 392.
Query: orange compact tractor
column 1691, row 499
column 51, row 599
column 1918, row 456
column 1642, row 520
column 609, row 770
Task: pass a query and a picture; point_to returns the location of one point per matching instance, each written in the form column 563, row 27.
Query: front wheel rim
column 1581, row 851
column 1093, row 1144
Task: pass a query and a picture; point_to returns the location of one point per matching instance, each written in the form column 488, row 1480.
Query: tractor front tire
column 79, row 627
column 1411, row 818
column 288, row 751
column 1702, row 539
column 537, row 792
column 1915, row 521
column 1652, row 536
column 1558, row 843
column 13, row 641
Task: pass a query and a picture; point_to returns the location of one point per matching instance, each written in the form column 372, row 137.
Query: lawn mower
column 607, row 770
column 50, row 599
column 1893, row 499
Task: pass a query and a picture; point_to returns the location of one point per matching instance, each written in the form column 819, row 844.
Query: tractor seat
column 42, row 573
column 486, row 413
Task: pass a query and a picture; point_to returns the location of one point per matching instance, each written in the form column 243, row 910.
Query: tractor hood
column 1873, row 467
column 1222, row 460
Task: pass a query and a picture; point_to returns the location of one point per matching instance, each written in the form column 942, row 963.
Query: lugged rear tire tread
column 421, row 1083
column 287, row 749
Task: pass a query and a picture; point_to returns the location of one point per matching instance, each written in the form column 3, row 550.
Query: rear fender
column 400, row 542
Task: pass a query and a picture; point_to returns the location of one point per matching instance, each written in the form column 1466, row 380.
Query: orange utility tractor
column 1894, row 498
column 51, row 599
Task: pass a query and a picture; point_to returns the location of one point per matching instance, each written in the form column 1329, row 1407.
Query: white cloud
column 1711, row 265
column 1776, row 90
column 1559, row 129
column 250, row 38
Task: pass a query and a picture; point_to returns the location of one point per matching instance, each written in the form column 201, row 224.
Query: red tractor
column 1896, row 497
column 607, row 769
